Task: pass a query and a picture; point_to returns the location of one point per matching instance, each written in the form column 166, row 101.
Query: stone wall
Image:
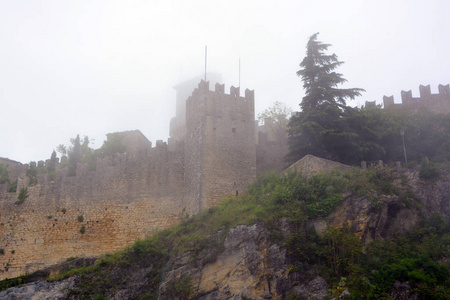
column 116, row 204
column 438, row 103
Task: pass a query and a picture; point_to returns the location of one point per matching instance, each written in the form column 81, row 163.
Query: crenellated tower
column 220, row 157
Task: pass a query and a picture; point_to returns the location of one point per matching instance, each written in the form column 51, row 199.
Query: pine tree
column 319, row 129
column 320, row 81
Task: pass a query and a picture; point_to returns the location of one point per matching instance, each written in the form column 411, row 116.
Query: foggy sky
column 94, row 67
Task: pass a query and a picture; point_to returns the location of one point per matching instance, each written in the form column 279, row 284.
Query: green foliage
column 23, row 194
column 80, row 218
column 82, row 229
column 31, row 173
column 319, row 79
column 4, row 177
column 327, row 128
column 2, row 251
column 112, row 146
column 429, row 170
column 181, row 288
column 7, row 283
column 319, row 128
column 13, row 186
column 275, row 119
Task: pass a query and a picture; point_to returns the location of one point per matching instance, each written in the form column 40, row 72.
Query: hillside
column 379, row 233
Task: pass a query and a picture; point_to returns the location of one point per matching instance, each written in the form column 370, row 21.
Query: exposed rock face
column 250, row 267
column 40, row 290
column 393, row 215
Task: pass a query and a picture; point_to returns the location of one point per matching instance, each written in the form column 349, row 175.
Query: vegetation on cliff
column 336, row 254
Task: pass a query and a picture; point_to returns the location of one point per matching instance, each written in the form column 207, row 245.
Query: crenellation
column 220, row 88
column 234, row 91
column 425, row 91
column 437, row 103
column 388, row 101
column 250, row 95
column 444, row 90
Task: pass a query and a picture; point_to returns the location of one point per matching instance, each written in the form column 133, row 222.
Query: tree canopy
column 319, row 78
column 319, row 128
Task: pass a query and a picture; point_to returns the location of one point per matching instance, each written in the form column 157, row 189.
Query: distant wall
column 438, row 103
column 272, row 147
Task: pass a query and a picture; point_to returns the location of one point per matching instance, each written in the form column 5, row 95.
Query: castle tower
column 183, row 91
column 220, row 156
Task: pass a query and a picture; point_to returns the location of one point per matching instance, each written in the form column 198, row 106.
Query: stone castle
column 212, row 153
column 215, row 150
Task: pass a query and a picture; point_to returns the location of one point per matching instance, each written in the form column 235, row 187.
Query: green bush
column 82, row 229
column 13, row 186
column 80, row 218
column 429, row 170
column 23, row 194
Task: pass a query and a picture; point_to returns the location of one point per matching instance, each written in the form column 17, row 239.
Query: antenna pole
column 239, row 72
column 206, row 55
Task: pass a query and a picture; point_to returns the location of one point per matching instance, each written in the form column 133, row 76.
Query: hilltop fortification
column 211, row 154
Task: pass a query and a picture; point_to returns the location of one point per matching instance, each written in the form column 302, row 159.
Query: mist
column 95, row 67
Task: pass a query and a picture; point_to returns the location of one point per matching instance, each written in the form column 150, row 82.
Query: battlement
column 439, row 103
column 219, row 89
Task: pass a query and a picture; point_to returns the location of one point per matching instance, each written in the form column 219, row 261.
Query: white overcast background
column 94, row 67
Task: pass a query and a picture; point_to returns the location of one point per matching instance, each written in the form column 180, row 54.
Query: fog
column 94, row 67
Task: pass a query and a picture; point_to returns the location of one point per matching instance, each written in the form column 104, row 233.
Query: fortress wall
column 437, row 103
column 119, row 203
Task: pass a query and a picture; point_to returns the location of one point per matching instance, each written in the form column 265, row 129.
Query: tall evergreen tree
column 320, row 81
column 319, row 128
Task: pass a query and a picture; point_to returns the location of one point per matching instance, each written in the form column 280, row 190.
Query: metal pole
column 239, row 72
column 402, row 133
column 206, row 55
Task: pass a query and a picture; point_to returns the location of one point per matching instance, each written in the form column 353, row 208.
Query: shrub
column 22, row 196
column 13, row 187
column 82, row 229
column 80, row 218
column 429, row 170
column 2, row 251
column 63, row 210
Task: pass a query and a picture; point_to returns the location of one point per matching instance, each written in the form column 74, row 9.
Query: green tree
column 4, row 177
column 112, row 146
column 74, row 155
column 319, row 128
column 275, row 118
column 320, row 81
